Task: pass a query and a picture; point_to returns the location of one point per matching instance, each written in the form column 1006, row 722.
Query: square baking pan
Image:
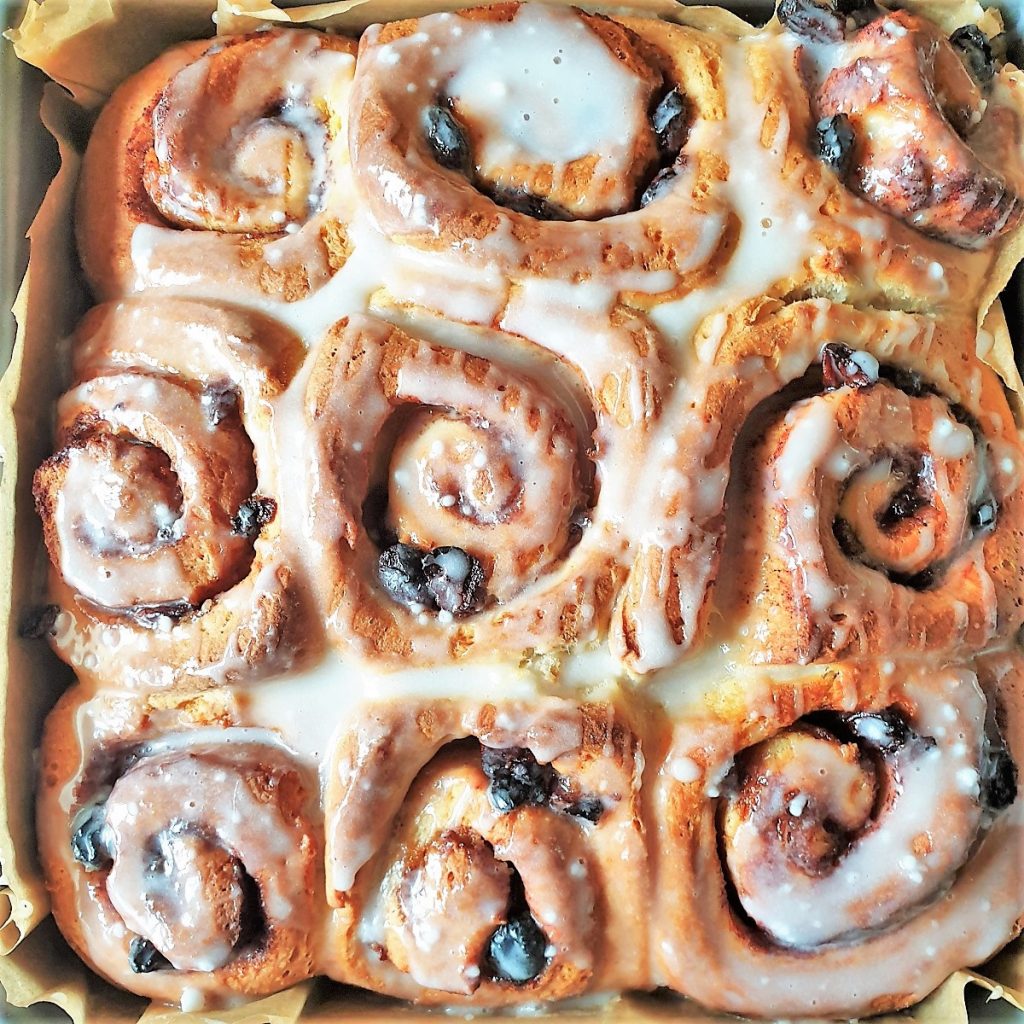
column 28, row 161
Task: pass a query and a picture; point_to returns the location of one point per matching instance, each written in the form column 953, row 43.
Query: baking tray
column 28, row 162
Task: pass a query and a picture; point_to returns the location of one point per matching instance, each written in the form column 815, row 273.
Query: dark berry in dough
column 886, row 731
column 144, row 957
column 669, row 122
column 839, row 368
column 816, row 22
column 447, row 138
column 590, row 808
column 976, row 52
column 834, row 142
column 517, row 952
column 516, row 779
column 998, row 780
column 454, row 580
column 90, row 843
column 252, row 516
column 400, row 569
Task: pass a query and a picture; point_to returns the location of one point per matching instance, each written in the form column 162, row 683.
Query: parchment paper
column 89, row 46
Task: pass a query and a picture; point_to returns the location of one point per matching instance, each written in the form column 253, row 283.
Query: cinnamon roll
column 480, row 134
column 883, row 514
column 486, row 854
column 452, row 513
column 184, row 866
column 846, row 538
column 222, row 162
column 906, row 124
column 159, row 506
column 840, row 844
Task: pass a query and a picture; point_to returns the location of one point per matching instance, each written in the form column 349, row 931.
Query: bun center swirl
column 138, row 507
column 520, row 116
column 257, row 154
column 842, row 805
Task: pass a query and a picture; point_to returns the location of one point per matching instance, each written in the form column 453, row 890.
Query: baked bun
column 222, row 164
column 538, row 513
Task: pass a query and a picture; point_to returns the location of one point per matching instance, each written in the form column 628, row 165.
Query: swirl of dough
column 879, row 519
column 188, row 863
column 883, row 513
column 453, row 510
column 159, row 506
column 479, row 133
column 484, row 873
column 228, row 156
column 828, row 842
column 920, row 149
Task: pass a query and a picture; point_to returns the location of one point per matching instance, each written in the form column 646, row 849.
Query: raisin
column 816, row 22
column 908, row 500
column 517, row 951
column 975, row 51
column 521, row 201
column 983, row 516
column 218, row 402
column 400, row 570
column 910, row 382
column 590, row 808
column 252, row 516
column 144, row 957
column 669, row 122
column 91, row 839
column 454, row 580
column 998, row 780
column 885, row 730
column 834, row 142
column 516, row 779
column 660, row 184
column 447, row 138
column 842, row 367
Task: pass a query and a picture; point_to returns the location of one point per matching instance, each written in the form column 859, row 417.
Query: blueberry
column 669, row 122
column 39, row 622
column 975, row 51
column 400, row 569
column 447, row 138
column 660, row 184
column 253, row 515
column 454, row 580
column 144, row 957
column 998, row 779
column 834, row 142
column 517, row 951
column 516, row 779
column 91, row 839
column 840, row 368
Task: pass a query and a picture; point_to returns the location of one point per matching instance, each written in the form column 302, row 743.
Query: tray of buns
column 516, row 509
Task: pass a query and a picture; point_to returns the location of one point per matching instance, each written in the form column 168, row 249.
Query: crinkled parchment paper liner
column 89, row 46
